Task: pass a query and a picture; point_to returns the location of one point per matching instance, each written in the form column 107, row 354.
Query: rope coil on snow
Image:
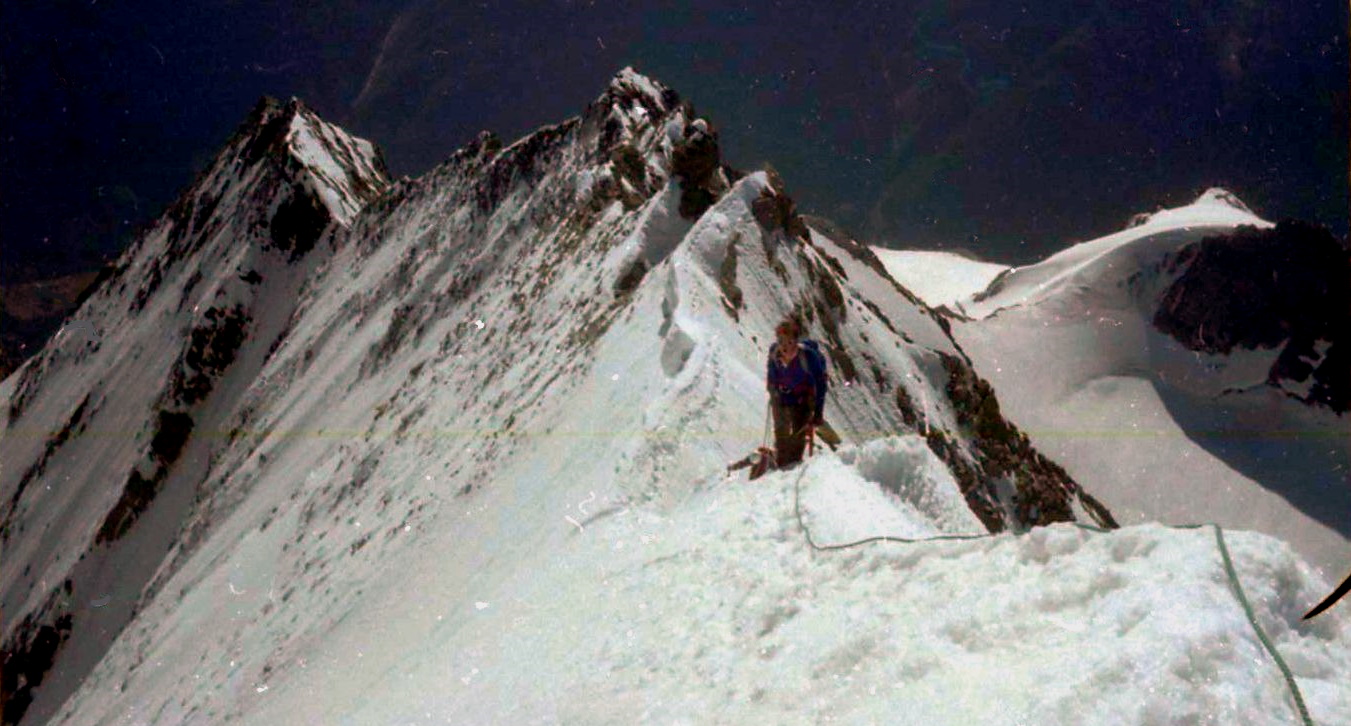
column 1234, row 585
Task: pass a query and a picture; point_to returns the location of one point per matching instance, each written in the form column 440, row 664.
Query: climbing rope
column 1261, row 634
column 807, row 533
column 1234, row 585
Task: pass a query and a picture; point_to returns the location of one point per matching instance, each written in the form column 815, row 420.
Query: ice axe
column 1328, row 601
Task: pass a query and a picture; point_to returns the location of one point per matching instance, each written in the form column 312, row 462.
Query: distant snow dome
column 1218, row 195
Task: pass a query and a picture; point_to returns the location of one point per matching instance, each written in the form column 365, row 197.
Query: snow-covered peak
column 164, row 347
column 629, row 83
column 285, row 171
column 345, row 171
column 632, row 107
column 1218, row 195
column 1103, row 262
column 1215, row 207
column 1191, row 367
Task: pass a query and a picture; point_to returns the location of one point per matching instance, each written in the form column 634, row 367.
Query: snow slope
column 938, row 278
column 479, row 477
column 1164, row 433
column 1111, row 259
column 716, row 611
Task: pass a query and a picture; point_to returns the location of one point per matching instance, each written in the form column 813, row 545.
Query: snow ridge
column 1100, row 263
column 473, row 472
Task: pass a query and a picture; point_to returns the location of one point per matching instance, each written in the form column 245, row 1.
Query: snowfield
column 715, row 610
column 1160, row 432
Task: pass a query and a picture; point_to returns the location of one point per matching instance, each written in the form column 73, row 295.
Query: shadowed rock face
column 41, row 634
column 695, row 162
column 299, row 222
column 1261, row 289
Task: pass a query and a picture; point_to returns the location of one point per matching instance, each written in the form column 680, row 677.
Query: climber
column 796, row 380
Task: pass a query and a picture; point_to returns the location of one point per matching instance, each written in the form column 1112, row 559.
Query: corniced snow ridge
column 333, row 449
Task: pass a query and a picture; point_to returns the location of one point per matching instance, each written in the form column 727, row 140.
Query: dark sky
column 1010, row 132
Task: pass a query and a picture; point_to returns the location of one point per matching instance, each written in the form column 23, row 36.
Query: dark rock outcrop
column 31, row 650
column 299, row 222
column 696, row 161
column 172, row 430
column 775, row 210
column 1287, row 287
column 1043, row 492
column 212, row 346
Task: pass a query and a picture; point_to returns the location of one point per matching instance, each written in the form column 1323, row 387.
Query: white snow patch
column 1089, row 265
column 718, row 608
column 1154, row 431
column 938, row 278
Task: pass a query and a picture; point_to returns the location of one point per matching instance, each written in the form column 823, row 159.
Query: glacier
column 1159, row 431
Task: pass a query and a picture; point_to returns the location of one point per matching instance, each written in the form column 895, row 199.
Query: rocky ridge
column 293, row 286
